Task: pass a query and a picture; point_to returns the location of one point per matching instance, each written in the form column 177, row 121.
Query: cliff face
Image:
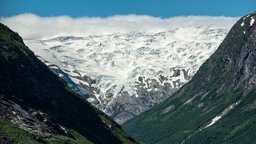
column 37, row 105
column 217, row 105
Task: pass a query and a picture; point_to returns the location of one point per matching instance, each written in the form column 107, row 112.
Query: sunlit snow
column 242, row 24
column 116, row 61
column 215, row 119
column 252, row 21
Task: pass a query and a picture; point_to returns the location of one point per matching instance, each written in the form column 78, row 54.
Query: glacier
column 124, row 74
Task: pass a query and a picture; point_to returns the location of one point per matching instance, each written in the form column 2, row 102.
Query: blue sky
column 106, row 8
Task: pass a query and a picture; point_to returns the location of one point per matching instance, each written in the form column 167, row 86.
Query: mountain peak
column 234, row 60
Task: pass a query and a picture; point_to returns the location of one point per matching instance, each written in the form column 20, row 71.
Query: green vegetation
column 27, row 82
column 9, row 37
column 16, row 134
column 238, row 126
column 116, row 129
column 155, row 127
column 73, row 138
column 225, row 79
column 20, row 136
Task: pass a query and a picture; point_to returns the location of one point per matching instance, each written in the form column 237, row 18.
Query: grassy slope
column 20, row 136
column 28, row 82
column 214, row 88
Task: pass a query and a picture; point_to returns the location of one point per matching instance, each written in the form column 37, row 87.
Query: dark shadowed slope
column 37, row 107
column 217, row 106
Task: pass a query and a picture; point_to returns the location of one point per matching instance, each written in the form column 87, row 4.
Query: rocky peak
column 233, row 63
column 217, row 105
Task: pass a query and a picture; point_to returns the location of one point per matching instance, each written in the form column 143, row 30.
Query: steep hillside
column 38, row 107
column 217, row 106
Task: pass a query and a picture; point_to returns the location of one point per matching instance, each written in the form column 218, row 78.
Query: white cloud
column 31, row 26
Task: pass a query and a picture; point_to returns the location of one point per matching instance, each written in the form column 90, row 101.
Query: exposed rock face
column 29, row 120
column 150, row 93
column 217, row 105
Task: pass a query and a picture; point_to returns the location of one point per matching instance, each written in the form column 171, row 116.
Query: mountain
column 124, row 74
column 38, row 107
column 217, row 106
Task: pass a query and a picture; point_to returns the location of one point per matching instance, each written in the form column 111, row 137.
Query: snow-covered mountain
column 124, row 74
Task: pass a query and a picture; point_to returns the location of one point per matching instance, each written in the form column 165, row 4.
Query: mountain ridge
column 35, row 100
column 217, row 105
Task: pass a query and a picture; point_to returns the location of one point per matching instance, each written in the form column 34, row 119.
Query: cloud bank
column 31, row 26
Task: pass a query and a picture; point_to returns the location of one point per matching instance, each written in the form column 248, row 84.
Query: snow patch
column 61, row 75
column 215, row 119
column 54, row 67
column 190, row 100
column 64, row 129
column 97, row 96
column 84, row 83
column 168, row 109
column 75, row 80
column 252, row 21
column 242, row 24
column 90, row 99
